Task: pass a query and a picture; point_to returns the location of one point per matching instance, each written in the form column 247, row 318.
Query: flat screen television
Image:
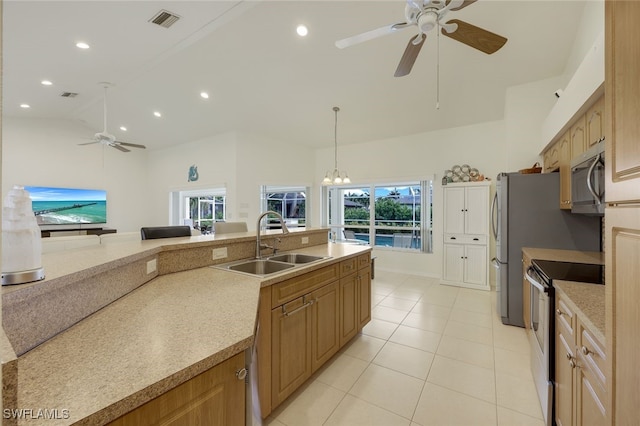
column 68, row 206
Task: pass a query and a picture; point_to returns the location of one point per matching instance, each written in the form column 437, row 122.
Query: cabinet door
column 290, row 347
column 364, row 297
column 325, row 317
column 590, row 408
column 453, row 262
column 477, row 210
column 348, row 308
column 564, row 383
column 578, row 136
column 475, row 265
column 526, row 296
column 622, row 88
column 552, row 157
column 454, row 205
column 595, row 123
column 213, row 398
column 622, row 242
column 565, row 171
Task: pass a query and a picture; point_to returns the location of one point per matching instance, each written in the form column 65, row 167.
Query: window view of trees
column 290, row 202
column 396, row 212
column 204, row 210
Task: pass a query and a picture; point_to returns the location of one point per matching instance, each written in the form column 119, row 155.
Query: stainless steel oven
column 541, row 338
column 541, row 275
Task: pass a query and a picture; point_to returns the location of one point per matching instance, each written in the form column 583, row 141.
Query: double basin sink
column 271, row 265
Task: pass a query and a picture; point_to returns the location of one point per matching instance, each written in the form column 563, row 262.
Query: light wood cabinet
column 564, row 163
column 466, row 239
column 303, row 322
column 578, row 134
column 594, row 120
column 526, row 295
column 622, row 213
column 580, row 385
column 355, row 300
column 215, row 397
column 551, row 158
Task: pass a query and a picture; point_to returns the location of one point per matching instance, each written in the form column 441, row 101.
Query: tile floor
column 431, row 355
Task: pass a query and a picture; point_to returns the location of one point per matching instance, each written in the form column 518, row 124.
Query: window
column 290, row 202
column 396, row 215
column 199, row 208
column 203, row 210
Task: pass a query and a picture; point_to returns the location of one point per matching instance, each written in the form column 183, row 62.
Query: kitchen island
column 178, row 324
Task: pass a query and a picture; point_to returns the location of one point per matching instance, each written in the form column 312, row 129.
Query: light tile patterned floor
column 432, row 355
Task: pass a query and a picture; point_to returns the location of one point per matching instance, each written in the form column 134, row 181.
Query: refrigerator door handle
column 494, row 222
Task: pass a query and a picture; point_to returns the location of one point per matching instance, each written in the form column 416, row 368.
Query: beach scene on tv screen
column 63, row 206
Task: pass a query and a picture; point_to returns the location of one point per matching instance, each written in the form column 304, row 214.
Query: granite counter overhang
column 587, row 300
column 154, row 338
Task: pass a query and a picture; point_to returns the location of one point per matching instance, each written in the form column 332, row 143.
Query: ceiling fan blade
column 370, row 35
column 475, row 37
column 464, row 4
column 89, row 143
column 135, row 145
column 409, row 56
column 116, row 146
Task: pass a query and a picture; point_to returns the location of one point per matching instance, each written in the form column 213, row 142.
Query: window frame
column 336, row 210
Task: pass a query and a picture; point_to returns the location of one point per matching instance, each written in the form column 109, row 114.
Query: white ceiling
column 261, row 76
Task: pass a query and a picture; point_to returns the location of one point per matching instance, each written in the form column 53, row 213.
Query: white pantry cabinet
column 466, row 235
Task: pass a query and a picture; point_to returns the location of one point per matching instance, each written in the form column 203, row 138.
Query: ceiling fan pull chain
column 438, row 67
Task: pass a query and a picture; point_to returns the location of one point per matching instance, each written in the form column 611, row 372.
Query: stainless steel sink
column 295, row 258
column 260, row 267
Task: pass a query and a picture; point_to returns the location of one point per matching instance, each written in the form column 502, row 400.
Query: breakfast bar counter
column 150, row 339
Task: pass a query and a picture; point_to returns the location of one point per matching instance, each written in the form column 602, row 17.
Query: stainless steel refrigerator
column 526, row 213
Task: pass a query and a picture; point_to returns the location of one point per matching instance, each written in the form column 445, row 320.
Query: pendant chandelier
column 335, row 177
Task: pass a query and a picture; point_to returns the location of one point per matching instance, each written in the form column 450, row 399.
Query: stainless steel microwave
column 587, row 181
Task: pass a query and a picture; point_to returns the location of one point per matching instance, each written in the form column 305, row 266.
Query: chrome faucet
column 260, row 246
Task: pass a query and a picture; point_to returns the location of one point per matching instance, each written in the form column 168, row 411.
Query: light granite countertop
column 587, row 300
column 150, row 340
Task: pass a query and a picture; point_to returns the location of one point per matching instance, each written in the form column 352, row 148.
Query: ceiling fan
column 427, row 15
column 108, row 139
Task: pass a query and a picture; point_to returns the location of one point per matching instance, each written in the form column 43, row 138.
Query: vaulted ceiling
column 261, row 76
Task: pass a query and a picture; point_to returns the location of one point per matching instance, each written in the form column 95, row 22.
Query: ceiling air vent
column 164, row 18
column 68, row 95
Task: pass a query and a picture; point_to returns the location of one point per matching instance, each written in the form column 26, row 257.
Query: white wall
column 41, row 152
column 591, row 25
column 168, row 171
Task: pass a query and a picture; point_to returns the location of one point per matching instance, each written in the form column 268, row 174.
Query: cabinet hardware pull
column 569, row 356
column 453, row 238
column 559, row 312
column 241, row 374
column 476, row 239
column 586, row 350
column 299, row 308
column 572, row 363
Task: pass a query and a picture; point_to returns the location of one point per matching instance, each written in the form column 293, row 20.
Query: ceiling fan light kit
column 335, row 176
column 427, row 15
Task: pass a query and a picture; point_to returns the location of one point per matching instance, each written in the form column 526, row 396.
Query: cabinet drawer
column 592, row 352
column 364, row 260
column 294, row 287
column 565, row 322
column 348, row 266
column 465, row 239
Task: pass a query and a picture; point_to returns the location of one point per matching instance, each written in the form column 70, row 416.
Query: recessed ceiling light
column 204, row 95
column 302, row 30
column 82, row 45
column 124, row 129
column 25, row 106
column 46, row 83
column 157, row 114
